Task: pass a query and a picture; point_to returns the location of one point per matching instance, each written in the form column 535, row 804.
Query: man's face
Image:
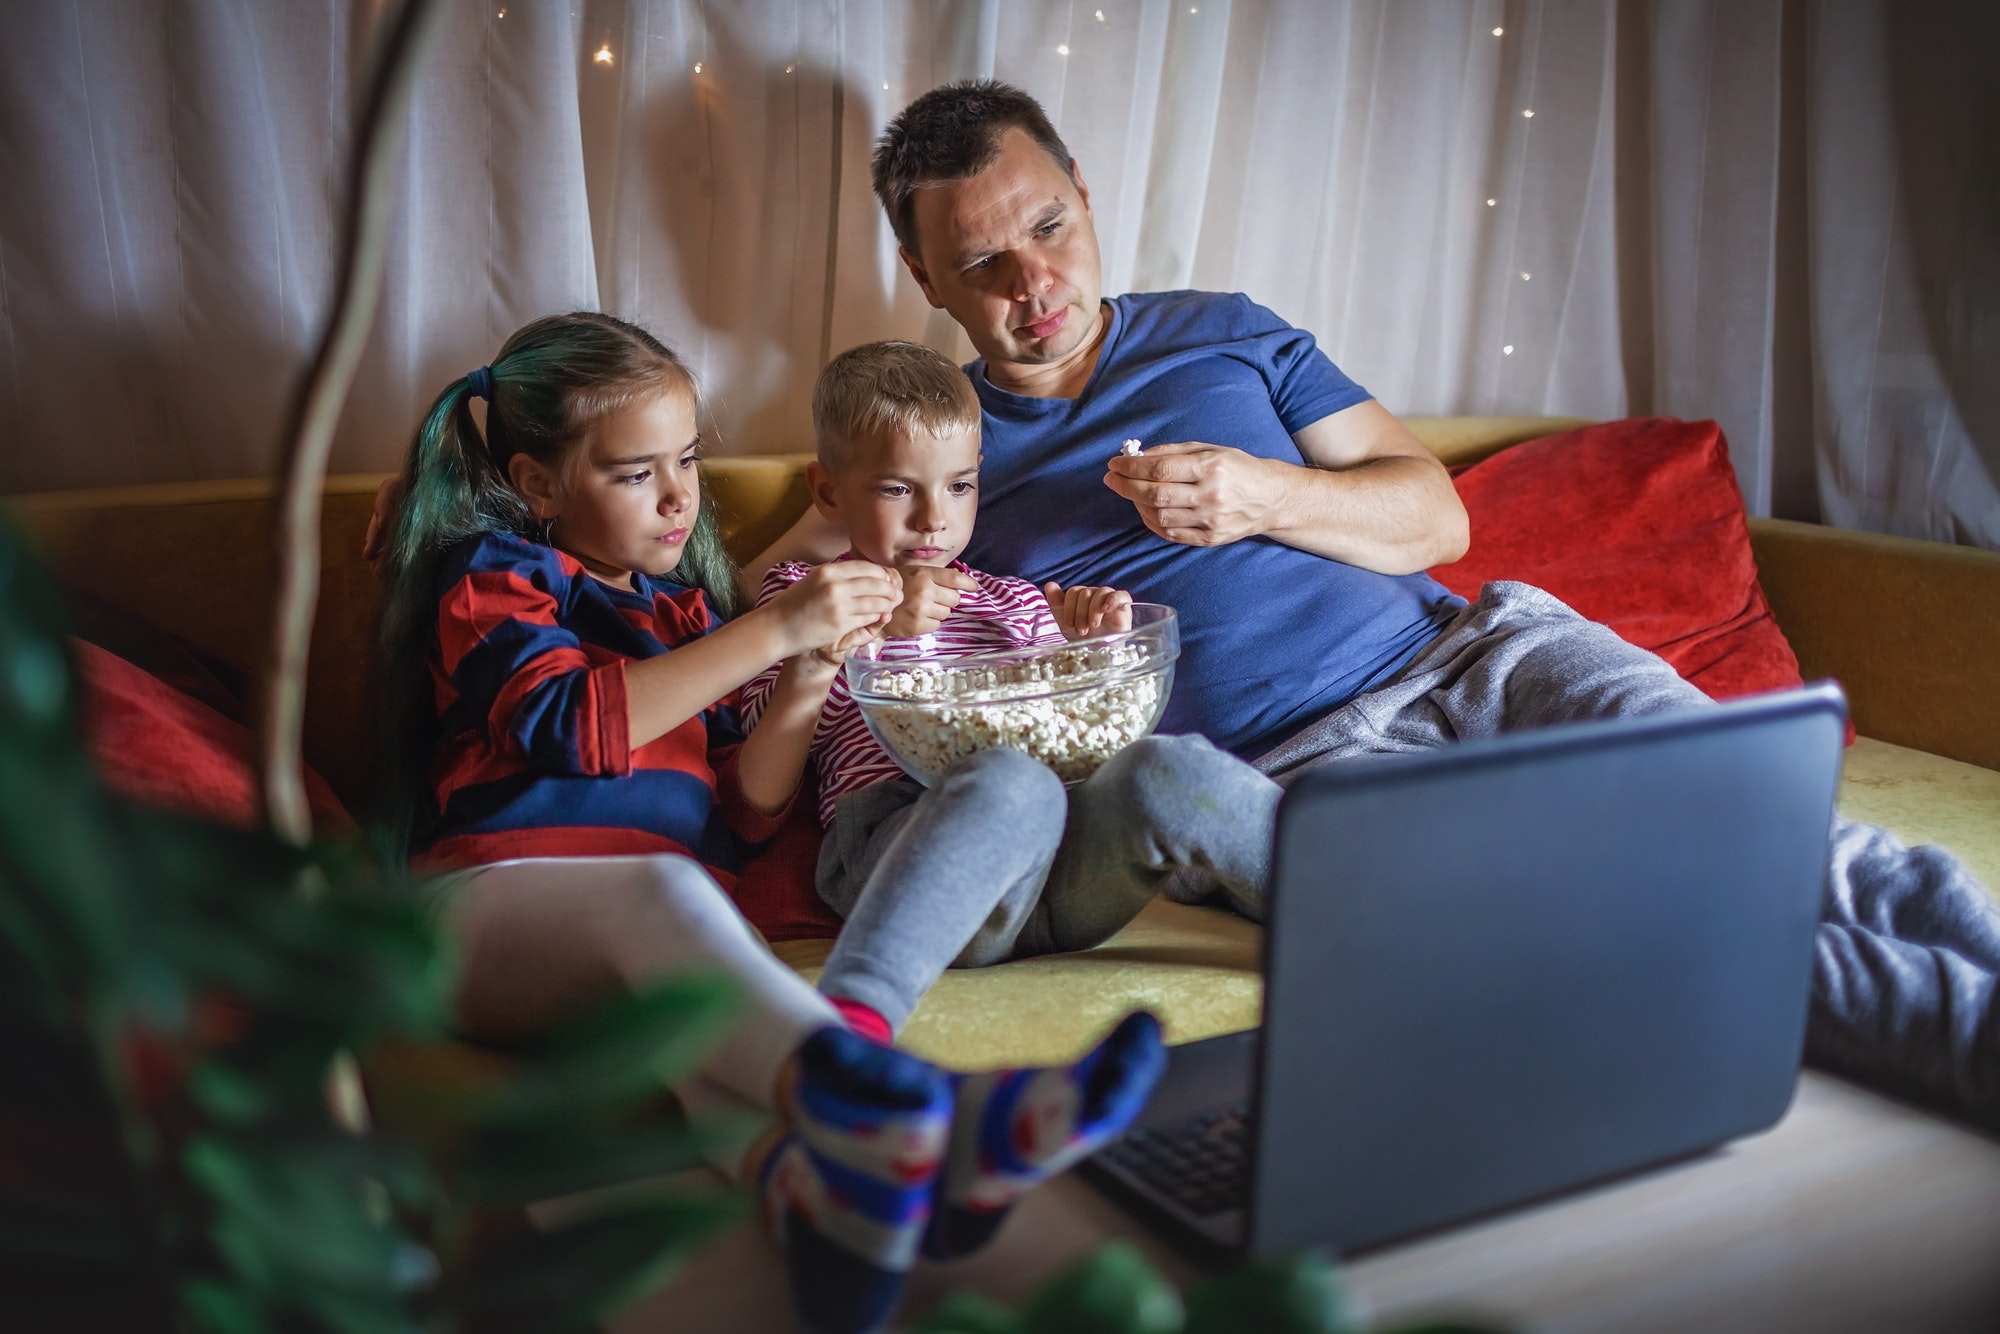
column 1011, row 254
column 904, row 498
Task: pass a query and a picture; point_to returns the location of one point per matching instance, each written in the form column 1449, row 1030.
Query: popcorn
column 1071, row 710
column 1130, row 449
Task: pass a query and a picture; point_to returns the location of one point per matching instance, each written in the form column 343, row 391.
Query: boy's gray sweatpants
column 998, row 861
column 1904, row 991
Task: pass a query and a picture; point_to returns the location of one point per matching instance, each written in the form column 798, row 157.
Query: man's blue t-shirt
column 1271, row 636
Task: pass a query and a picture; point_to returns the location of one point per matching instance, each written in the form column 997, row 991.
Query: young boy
column 997, row 860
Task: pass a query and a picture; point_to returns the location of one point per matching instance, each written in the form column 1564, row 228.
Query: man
column 1288, row 517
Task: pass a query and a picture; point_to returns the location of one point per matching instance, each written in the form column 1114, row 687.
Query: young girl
column 561, row 684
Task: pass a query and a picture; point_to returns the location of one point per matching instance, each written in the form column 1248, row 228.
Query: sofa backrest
column 194, row 559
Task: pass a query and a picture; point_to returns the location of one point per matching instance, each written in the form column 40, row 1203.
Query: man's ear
column 1082, row 190
column 916, row 268
column 534, row 484
column 819, row 485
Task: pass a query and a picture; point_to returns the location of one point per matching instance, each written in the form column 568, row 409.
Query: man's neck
column 1055, row 379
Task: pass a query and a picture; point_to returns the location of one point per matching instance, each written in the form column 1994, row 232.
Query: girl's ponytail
column 449, row 490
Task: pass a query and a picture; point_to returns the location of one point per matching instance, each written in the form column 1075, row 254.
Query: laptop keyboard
column 1197, row 1164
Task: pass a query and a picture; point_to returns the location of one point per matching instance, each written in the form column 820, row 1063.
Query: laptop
column 1502, row 970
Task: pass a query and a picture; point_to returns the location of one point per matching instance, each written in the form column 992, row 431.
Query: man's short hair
column 951, row 133
column 889, row 386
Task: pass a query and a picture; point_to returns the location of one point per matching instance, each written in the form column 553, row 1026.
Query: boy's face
column 905, row 499
column 625, row 501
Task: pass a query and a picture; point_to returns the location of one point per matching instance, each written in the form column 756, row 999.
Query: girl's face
column 625, row 499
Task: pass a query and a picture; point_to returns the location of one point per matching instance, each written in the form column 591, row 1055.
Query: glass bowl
column 1071, row 705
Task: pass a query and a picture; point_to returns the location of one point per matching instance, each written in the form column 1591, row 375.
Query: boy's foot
column 848, row 1193
column 1013, row 1129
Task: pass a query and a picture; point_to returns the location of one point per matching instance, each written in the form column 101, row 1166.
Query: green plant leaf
column 621, row 1052
column 1112, row 1291
column 521, row 1167
column 967, row 1313
column 1303, row 1295
column 566, row 1280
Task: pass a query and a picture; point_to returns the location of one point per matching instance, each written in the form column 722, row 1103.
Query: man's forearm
column 1394, row 515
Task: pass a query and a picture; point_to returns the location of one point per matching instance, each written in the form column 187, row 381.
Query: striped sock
column 848, row 1194
column 1013, row 1129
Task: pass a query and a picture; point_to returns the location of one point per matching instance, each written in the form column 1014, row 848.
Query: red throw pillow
column 157, row 746
column 1638, row 525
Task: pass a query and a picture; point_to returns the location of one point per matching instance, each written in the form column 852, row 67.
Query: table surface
column 1853, row 1213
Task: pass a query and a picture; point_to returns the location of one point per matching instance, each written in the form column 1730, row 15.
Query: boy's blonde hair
column 893, row 385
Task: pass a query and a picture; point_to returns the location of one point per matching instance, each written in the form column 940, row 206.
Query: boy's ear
column 819, row 485
column 534, row 484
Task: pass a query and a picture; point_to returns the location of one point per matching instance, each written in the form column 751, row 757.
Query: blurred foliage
column 1114, row 1291
column 179, row 1142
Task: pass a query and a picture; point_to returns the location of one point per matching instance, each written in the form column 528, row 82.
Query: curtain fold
column 1779, row 213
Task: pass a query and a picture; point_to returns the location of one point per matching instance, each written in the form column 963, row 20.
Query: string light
column 1525, row 275
column 1062, row 50
column 885, row 86
column 1529, row 114
column 603, row 56
column 1498, row 31
column 1507, row 351
column 1491, row 202
column 697, row 67
column 501, row 15
column 1100, row 16
column 788, row 69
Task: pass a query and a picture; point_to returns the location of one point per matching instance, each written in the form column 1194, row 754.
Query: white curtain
column 1780, row 214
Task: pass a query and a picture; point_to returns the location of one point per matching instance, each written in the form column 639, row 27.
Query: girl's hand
column 837, row 606
column 1082, row 611
column 929, row 594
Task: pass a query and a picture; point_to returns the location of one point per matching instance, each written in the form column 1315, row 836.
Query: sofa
column 1910, row 628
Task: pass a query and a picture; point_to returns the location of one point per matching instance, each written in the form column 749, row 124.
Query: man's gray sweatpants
column 1904, row 991
column 998, row 861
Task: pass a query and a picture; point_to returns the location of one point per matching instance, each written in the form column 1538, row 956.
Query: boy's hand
column 838, row 605
column 1082, row 611
column 929, row 594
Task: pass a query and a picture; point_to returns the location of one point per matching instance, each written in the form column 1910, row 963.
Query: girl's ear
column 534, row 484
column 819, row 484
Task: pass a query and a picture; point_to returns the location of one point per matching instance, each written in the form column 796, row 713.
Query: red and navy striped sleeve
column 511, row 675
column 533, row 753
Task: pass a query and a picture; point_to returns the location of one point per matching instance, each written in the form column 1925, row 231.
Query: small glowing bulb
column 1062, row 50
column 1194, row 9
column 501, row 15
column 697, row 67
column 1529, row 114
column 1507, row 351
column 1100, row 16
column 603, row 56
column 788, row 69
column 1525, row 275
column 1491, row 202
column 1498, row 31
column 885, row 87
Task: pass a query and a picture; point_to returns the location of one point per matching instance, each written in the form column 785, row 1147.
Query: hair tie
column 480, row 382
